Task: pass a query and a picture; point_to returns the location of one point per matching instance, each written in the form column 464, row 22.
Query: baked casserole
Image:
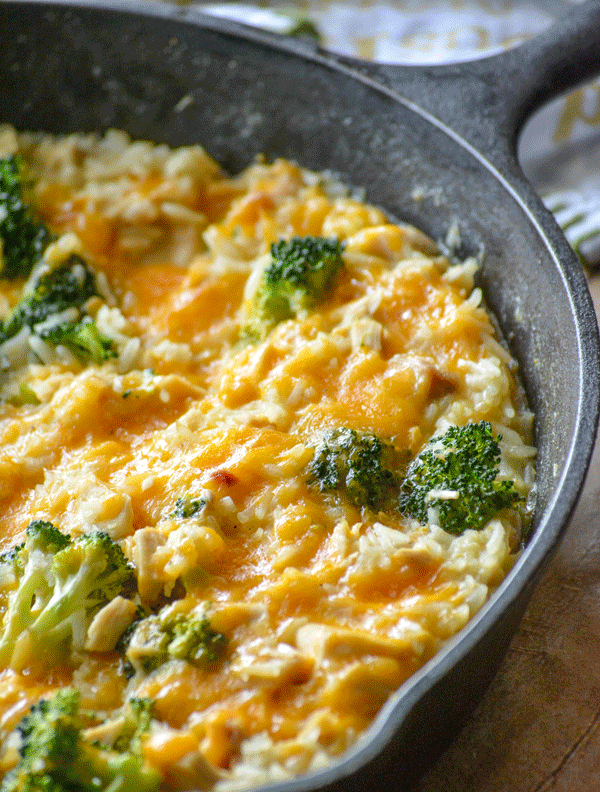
column 262, row 454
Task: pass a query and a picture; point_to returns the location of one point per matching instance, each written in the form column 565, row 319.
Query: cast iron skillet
column 431, row 145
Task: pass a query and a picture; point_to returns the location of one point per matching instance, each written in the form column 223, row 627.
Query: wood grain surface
column 537, row 729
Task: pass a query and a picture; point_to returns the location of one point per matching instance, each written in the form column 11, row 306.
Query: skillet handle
column 487, row 101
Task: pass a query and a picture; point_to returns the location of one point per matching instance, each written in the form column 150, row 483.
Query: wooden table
column 538, row 727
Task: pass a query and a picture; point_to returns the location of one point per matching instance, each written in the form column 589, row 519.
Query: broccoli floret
column 196, row 641
column 82, row 338
column 23, row 238
column 173, row 636
column 188, row 507
column 48, row 738
column 24, row 585
column 56, row 756
column 358, row 464
column 68, row 286
column 22, row 243
column 298, row 278
column 53, row 586
column 453, row 481
column 136, row 719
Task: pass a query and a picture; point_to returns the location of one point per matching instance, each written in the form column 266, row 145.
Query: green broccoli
column 188, row 507
column 169, row 635
column 82, row 338
column 135, row 719
column 453, row 481
column 57, row 756
column 23, row 238
column 52, row 587
column 359, row 464
column 68, row 286
column 125, row 639
column 48, row 739
column 300, row 275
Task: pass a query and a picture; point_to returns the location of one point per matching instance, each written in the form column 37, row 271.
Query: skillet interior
column 84, row 69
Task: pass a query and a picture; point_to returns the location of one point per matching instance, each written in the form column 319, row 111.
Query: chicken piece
column 109, row 624
column 280, row 665
column 150, row 582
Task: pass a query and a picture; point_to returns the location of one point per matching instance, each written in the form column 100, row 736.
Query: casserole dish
column 87, row 68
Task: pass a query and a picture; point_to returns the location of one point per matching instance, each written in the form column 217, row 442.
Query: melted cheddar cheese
column 327, row 608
